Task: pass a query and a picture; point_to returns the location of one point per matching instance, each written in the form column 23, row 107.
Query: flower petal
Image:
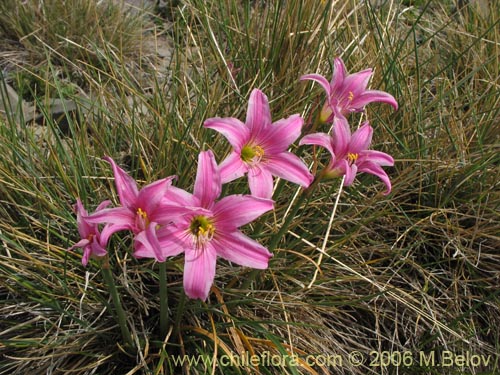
column 146, row 244
column 238, row 248
column 319, row 79
column 290, row 167
column 179, row 197
column 151, row 195
column 356, row 83
column 281, row 134
column 233, row 129
column 232, row 167
column 339, row 74
column 173, row 240
column 258, row 112
column 319, row 139
column 341, row 136
column 207, row 186
column 199, row 271
column 377, row 157
column 260, row 181
column 350, row 173
column 108, row 231
column 234, row 211
column 371, row 96
column 126, row 187
column 361, row 139
column 117, row 215
column 374, row 169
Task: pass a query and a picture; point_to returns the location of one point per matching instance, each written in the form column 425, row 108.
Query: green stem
column 178, row 316
column 120, row 313
column 163, row 300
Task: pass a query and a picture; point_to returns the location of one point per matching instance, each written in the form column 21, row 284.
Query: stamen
column 352, row 157
column 142, row 213
column 142, row 219
column 202, row 229
column 252, row 154
column 350, row 96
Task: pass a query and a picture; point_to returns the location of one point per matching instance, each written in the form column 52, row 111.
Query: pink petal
column 361, row 139
column 82, row 243
column 318, row 139
column 339, row 74
column 199, row 271
column 371, row 96
column 118, row 215
column 232, row 167
column 374, row 169
column 87, row 252
column 238, row 248
column 341, row 136
column 350, row 173
column 173, row 241
column 234, row 211
column 280, row 135
column 207, row 186
column 126, row 186
column 151, row 195
column 258, row 112
column 233, row 129
column 356, row 83
column 179, row 197
column 377, row 157
column 109, row 230
column 146, row 244
column 290, row 167
column 103, row 205
column 260, row 181
column 319, row 79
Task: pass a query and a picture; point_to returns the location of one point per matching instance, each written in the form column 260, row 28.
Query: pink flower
column 210, row 229
column 140, row 210
column 347, row 93
column 92, row 241
column 350, row 154
column 260, row 147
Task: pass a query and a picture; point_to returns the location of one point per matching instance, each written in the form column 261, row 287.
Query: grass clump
column 413, row 272
column 74, row 29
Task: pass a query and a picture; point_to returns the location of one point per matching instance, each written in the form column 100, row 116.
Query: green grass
column 415, row 271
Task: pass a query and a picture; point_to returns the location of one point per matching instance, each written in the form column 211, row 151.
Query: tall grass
column 416, row 271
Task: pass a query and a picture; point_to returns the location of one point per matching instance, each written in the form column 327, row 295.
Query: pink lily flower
column 347, row 92
column 350, row 154
column 92, row 241
column 210, row 229
column 260, row 147
column 139, row 211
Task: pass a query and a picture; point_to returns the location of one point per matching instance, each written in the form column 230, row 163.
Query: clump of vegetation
column 70, row 31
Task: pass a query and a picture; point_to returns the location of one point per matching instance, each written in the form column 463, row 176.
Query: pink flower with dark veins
column 211, row 229
column 140, row 210
column 260, row 147
column 350, row 153
column 347, row 92
column 93, row 242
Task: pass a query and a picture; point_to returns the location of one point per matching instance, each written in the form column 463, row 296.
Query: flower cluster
column 347, row 93
column 166, row 220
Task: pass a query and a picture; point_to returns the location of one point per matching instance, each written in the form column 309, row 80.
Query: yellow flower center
column 350, row 96
column 143, row 217
column 252, row 153
column 352, row 157
column 202, row 228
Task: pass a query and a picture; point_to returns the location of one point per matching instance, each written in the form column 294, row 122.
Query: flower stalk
column 163, row 299
column 120, row 313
